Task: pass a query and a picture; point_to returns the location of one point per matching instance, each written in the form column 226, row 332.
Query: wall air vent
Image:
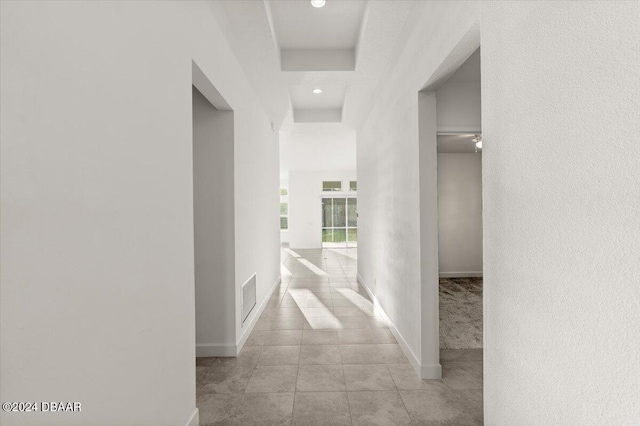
column 248, row 297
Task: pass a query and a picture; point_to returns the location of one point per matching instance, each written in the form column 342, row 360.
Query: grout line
column 346, row 391
column 404, row 405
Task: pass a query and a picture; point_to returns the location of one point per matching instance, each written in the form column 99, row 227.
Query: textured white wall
column 317, row 147
column 391, row 247
column 460, row 214
column 305, row 205
column 257, row 207
column 428, row 363
column 561, row 166
column 561, row 177
column 97, row 268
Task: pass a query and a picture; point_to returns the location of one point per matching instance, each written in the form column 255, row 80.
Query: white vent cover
column 248, row 297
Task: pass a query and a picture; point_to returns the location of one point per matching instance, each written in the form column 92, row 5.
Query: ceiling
column 287, row 48
column 461, row 144
column 298, row 25
column 468, row 71
column 302, row 96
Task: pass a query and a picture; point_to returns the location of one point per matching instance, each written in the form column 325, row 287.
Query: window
column 331, row 185
column 353, row 185
column 339, row 222
column 284, row 208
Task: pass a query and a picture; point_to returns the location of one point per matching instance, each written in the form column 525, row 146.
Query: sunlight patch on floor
column 315, row 312
column 284, row 271
column 292, row 253
column 312, row 267
column 346, row 252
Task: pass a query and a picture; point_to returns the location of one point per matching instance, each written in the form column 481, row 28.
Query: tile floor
column 319, row 356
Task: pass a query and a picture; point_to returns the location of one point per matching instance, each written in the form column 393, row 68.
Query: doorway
column 459, row 186
column 339, row 222
column 460, row 241
column 213, row 219
column 450, row 152
column 448, row 105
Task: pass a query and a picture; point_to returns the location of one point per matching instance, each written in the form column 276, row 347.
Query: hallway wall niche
column 213, row 211
column 235, row 187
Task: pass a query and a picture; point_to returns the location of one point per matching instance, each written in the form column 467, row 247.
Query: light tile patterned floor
column 318, row 356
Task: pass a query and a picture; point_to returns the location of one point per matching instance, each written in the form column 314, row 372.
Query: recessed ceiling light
column 318, row 3
column 317, row 91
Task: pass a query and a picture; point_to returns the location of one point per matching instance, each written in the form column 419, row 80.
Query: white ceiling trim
column 317, row 115
column 267, row 9
column 318, row 60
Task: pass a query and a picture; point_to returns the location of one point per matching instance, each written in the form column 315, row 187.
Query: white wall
column 390, row 245
column 317, row 147
column 97, row 225
column 305, row 205
column 460, row 215
column 561, row 102
column 561, row 225
column 257, row 211
column 427, row 362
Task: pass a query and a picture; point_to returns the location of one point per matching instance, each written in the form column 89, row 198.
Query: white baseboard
column 195, row 418
column 248, row 327
column 465, row 274
column 215, row 349
column 433, row 371
column 230, row 349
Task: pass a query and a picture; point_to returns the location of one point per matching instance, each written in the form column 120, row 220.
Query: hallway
column 320, row 356
column 103, row 175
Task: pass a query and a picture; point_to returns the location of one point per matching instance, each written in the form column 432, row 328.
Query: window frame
column 284, row 199
column 328, row 189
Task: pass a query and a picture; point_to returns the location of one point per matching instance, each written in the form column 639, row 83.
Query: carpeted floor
column 460, row 313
